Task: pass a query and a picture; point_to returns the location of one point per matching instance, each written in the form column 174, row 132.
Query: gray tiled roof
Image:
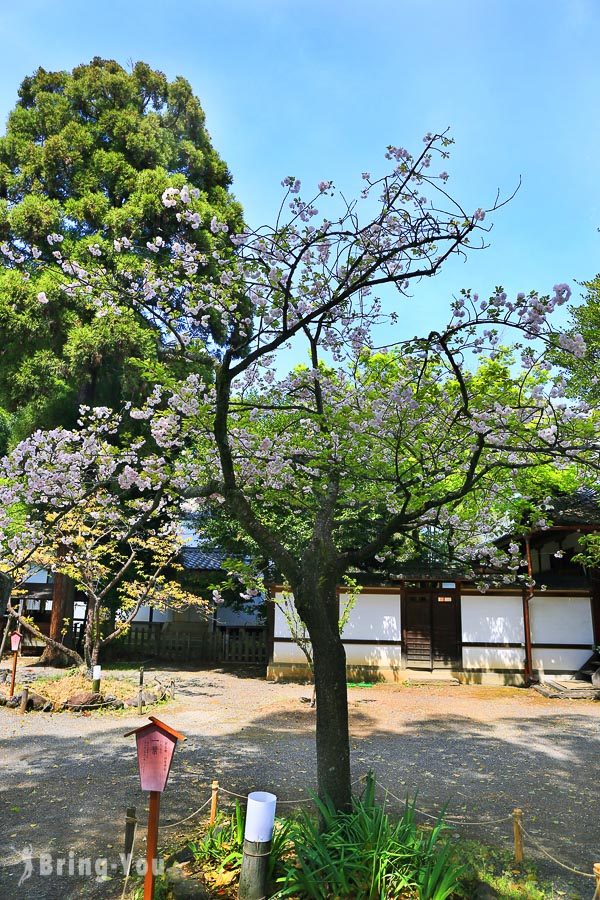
column 580, row 508
column 204, row 559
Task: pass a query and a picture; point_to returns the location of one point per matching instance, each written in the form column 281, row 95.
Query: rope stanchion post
column 24, row 701
column 260, row 818
column 214, row 801
column 131, row 823
column 518, row 835
column 597, row 877
column 130, row 826
column 141, row 693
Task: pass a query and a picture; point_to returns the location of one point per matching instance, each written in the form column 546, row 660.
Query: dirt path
column 67, row 778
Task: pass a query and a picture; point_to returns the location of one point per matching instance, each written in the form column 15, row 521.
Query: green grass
column 495, row 867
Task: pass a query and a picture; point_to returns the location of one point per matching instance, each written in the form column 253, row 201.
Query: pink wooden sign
column 155, row 750
column 155, row 747
column 15, row 641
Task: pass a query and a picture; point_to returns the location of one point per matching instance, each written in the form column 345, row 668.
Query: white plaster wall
column 78, row 609
column 561, row 620
column 281, row 626
column 487, row 658
column 374, row 617
column 380, row 655
column 284, row 652
column 557, row 660
column 492, row 619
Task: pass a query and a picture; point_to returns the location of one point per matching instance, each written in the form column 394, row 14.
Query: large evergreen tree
column 88, row 154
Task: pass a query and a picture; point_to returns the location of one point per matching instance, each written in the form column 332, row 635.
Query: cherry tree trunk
column 318, row 605
column 63, row 598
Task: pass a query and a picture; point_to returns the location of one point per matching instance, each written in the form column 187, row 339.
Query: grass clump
column 362, row 853
column 494, row 867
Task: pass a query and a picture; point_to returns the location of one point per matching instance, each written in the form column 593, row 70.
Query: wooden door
column 432, row 628
column 417, row 630
column 445, row 628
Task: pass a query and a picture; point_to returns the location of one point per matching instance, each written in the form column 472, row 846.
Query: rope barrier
column 280, row 802
column 553, row 858
column 191, row 816
column 451, row 819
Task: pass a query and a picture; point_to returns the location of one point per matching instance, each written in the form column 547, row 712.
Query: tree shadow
column 70, row 791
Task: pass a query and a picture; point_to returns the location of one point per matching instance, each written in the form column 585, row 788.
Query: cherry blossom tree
column 376, row 438
column 72, row 503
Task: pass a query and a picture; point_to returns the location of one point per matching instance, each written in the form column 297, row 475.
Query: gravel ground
column 67, row 777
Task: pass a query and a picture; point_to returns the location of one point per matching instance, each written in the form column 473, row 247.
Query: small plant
column 219, row 851
column 223, row 842
column 495, row 868
column 362, row 854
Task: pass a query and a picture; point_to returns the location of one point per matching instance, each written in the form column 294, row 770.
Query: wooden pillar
column 527, row 595
column 527, row 632
column 595, row 606
column 24, row 701
column 270, row 591
column 63, row 599
column 13, row 673
column 253, row 874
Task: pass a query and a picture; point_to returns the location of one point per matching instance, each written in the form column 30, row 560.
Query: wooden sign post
column 155, row 743
column 15, row 643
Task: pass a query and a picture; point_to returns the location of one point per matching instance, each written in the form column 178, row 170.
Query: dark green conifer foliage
column 88, row 154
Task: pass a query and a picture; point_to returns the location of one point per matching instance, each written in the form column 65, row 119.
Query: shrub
column 362, row 854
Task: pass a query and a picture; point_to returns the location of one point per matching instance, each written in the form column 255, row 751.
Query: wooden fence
column 152, row 640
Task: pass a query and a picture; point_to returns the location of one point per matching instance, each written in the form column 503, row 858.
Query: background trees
column 584, row 372
column 72, row 503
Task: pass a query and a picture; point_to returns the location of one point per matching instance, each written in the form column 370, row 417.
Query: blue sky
column 318, row 88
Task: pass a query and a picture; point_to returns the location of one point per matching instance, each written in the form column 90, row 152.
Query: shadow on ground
column 68, row 779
